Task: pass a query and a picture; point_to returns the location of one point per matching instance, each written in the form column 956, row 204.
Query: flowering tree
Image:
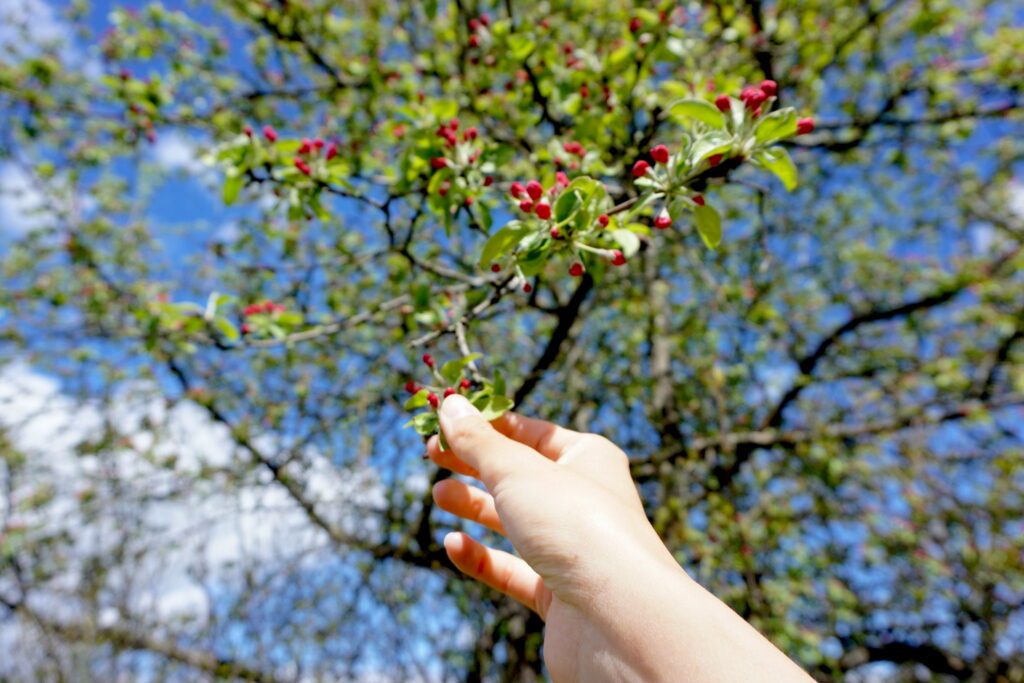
column 246, row 240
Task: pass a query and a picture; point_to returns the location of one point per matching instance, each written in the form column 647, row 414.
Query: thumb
column 480, row 445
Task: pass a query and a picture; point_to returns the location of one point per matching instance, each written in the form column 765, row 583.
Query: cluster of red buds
column 532, row 196
column 450, row 132
column 432, row 398
column 753, row 96
column 476, row 24
column 266, row 307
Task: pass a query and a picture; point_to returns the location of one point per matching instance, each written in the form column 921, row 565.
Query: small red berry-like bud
column 526, row 206
column 411, row 387
column 454, row 124
column 474, row 41
column 246, row 328
column 576, row 269
column 698, row 200
column 555, row 234
column 488, row 181
column 534, row 189
column 715, row 159
column 602, row 220
column 562, row 179
column 663, row 220
column 448, row 392
column 306, row 147
column 517, row 189
column 433, row 400
column 247, row 130
column 723, row 103
column 474, row 24
column 635, row 24
column 268, row 306
column 428, row 360
column 332, row 151
column 472, row 158
column 660, row 154
column 469, row 201
column 618, row 259
column 495, row 268
column 465, row 383
column 318, row 143
column 485, row 19
column 527, row 288
column 442, row 189
column 252, row 309
column 269, row 133
column 302, row 166
column 584, row 91
column 769, row 87
column 753, row 97
column 438, row 163
column 125, row 74
column 640, row 169
column 804, row 126
column 543, row 210
column 471, row 133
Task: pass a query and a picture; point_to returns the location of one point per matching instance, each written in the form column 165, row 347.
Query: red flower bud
column 269, row 133
column 469, row 201
column 302, row 166
column 603, row 220
column 474, row 41
column 495, row 268
column 465, row 384
column 723, row 103
column 640, row 169
column 555, row 234
column 562, row 179
column 517, row 189
column 753, row 97
column 306, row 146
column 448, row 392
column 470, row 133
column 485, row 19
column 534, row 189
column 618, row 259
column 663, row 220
column 543, row 210
column 584, row 91
column 411, row 387
column 660, row 154
column 438, row 163
column 332, row 151
column 474, row 24
column 428, row 360
column 715, row 159
column 442, row 189
column 247, row 130
column 318, row 143
column 527, row 288
column 635, row 24
column 433, row 400
column 488, row 181
column 246, row 328
column 698, row 200
column 454, row 124
column 576, row 269
column 526, row 206
column 769, row 87
column 804, row 126
column 252, row 309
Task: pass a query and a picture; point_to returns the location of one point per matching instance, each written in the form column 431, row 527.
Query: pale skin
column 616, row 604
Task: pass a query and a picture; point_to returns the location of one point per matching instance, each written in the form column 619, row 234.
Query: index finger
column 547, row 438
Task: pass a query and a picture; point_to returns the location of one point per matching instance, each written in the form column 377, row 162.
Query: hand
column 617, row 606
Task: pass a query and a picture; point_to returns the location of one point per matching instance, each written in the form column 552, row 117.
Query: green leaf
column 232, row 185
column 417, row 400
column 499, row 383
column 776, row 159
column 452, row 370
column 520, row 46
column 496, row 407
column 502, row 241
column 226, row 328
column 697, row 109
column 706, row 145
column 629, row 241
column 777, row 125
column 424, row 423
column 567, row 203
column 709, row 225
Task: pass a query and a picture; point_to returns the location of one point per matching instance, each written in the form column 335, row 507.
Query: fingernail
column 456, row 406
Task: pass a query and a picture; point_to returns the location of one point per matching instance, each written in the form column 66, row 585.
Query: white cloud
column 20, row 202
column 176, row 151
column 185, row 521
column 36, row 18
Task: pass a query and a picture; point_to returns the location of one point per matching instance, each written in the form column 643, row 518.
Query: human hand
column 617, row 606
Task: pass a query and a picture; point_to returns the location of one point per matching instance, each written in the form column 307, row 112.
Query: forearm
column 663, row 626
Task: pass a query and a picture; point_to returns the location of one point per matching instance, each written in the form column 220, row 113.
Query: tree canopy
column 772, row 249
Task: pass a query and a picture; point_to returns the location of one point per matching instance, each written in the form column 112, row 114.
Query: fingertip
column 454, row 543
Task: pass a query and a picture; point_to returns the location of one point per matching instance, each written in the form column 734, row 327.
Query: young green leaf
column 775, row 126
column 629, row 241
column 709, row 225
column 417, row 400
column 502, row 241
column 697, row 109
column 452, row 370
column 776, row 159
